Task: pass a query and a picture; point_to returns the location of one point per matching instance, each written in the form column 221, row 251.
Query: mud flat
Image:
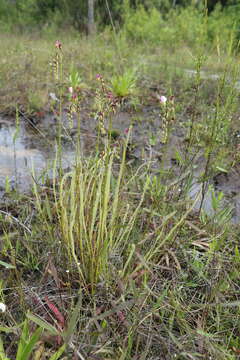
column 27, row 154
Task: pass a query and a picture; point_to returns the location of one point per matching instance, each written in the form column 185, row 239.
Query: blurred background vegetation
column 154, row 21
column 25, row 14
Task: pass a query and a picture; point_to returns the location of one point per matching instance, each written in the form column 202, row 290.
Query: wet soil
column 229, row 184
column 27, row 153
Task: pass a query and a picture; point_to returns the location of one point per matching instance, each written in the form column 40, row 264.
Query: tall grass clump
column 93, row 215
column 94, row 218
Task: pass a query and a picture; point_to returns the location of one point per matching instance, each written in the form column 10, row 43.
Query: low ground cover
column 113, row 258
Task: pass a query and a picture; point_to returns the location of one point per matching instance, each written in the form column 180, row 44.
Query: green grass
column 111, row 260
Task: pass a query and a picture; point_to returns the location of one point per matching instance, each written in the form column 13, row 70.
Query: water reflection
column 21, row 153
column 16, row 160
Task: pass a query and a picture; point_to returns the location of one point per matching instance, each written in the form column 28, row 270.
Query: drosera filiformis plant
column 167, row 116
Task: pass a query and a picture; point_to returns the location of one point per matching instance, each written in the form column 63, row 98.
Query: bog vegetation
column 131, row 251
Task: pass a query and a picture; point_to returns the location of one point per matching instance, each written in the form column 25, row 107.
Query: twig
column 17, row 221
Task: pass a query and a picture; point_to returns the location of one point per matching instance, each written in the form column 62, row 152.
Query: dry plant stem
column 161, row 238
column 34, row 126
column 14, row 148
column 205, row 181
column 115, row 36
column 16, row 220
column 59, row 77
column 195, row 102
column 212, row 140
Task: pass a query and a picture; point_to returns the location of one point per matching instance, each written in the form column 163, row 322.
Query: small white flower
column 70, row 89
column 53, row 97
column 3, row 307
column 163, row 99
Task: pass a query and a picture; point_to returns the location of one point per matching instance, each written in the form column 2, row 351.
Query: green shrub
column 142, row 25
column 186, row 26
column 124, row 85
column 183, row 25
column 223, row 29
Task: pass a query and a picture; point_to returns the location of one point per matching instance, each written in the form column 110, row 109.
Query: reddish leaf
column 121, row 316
column 59, row 317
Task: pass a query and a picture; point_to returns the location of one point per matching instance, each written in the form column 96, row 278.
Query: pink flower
column 98, row 77
column 110, row 95
column 58, row 44
column 70, row 89
column 163, row 99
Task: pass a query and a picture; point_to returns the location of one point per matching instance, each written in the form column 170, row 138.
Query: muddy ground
column 27, row 152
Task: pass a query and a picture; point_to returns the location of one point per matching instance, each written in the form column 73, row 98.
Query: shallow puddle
column 16, row 158
column 22, row 155
column 205, row 75
column 26, row 151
